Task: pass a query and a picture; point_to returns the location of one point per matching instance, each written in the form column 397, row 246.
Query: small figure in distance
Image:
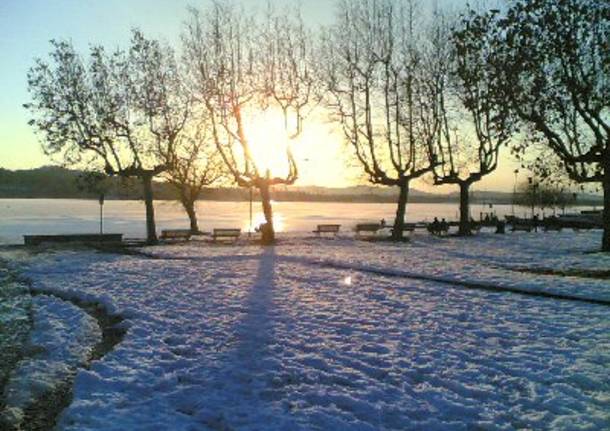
column 434, row 227
column 382, row 223
column 444, row 226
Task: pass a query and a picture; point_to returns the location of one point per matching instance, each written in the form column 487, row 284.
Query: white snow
column 61, row 341
column 488, row 258
column 249, row 338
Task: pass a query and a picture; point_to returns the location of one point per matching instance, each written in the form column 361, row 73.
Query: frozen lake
column 57, row 216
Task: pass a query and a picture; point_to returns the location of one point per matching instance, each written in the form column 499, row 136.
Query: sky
column 26, row 26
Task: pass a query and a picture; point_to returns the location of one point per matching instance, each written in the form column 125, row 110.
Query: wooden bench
column 438, row 230
column 171, row 234
column 476, row 227
column 473, row 226
column 408, row 227
column 86, row 238
column 552, row 226
column 367, row 227
column 418, row 225
column 231, row 234
column 521, row 225
column 327, row 228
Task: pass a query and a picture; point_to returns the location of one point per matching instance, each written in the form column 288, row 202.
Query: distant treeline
column 59, row 183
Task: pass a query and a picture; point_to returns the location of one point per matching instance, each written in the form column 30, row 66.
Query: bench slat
column 84, row 238
column 175, row 233
column 368, row 227
column 327, row 228
column 226, row 233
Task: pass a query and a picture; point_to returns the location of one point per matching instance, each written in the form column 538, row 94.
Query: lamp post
column 574, row 198
column 101, row 201
column 530, row 181
column 516, row 172
column 535, row 200
column 250, row 226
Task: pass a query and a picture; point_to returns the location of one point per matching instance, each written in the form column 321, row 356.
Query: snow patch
column 61, row 340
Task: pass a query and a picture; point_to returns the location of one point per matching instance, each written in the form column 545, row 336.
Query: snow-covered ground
column 304, row 336
column 61, row 341
column 15, row 322
column 496, row 260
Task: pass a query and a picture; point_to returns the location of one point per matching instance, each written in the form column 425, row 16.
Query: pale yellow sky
column 26, row 26
column 325, row 160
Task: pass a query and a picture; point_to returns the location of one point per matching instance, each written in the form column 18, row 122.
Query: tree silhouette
column 121, row 112
column 240, row 66
column 470, row 127
column 196, row 165
column 375, row 76
column 550, row 63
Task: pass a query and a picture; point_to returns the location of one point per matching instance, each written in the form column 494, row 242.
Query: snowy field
column 337, row 334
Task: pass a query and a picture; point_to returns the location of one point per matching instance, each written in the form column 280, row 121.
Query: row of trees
column 413, row 99
column 416, row 93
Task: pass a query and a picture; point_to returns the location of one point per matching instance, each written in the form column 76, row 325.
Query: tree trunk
column 268, row 233
column 189, row 207
column 151, row 231
column 399, row 221
column 606, row 214
column 464, row 229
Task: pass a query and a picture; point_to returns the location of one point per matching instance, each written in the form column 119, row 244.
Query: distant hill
column 54, row 182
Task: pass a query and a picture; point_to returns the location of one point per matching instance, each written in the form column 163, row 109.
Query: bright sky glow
column 26, row 26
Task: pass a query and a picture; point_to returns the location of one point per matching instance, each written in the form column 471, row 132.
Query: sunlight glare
column 269, row 141
column 258, row 218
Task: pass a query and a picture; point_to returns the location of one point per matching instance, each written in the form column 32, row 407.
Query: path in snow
column 61, row 340
column 59, row 335
column 15, row 324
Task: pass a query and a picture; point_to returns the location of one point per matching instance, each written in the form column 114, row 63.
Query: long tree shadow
column 255, row 330
column 244, row 378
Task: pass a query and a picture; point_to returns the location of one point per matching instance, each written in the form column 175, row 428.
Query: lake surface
column 57, row 216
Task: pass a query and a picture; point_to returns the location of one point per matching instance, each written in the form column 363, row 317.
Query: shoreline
column 356, row 200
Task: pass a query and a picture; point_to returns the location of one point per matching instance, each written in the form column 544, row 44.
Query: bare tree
column 470, row 129
column 196, row 166
column 375, row 81
column 241, row 66
column 550, row 65
column 536, row 193
column 121, row 112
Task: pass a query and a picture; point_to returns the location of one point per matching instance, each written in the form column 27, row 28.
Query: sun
column 319, row 150
column 268, row 141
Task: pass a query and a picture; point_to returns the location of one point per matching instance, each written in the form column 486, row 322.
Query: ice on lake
column 60, row 216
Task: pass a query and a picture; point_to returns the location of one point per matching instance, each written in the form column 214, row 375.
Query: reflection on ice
column 259, row 218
